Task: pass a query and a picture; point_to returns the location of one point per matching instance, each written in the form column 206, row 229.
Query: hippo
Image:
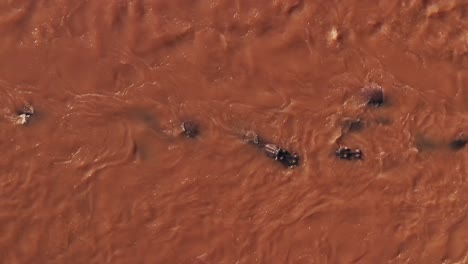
column 285, row 157
column 347, row 153
column 190, row 129
column 374, row 95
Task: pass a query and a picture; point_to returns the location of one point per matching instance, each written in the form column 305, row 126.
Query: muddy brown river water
column 95, row 167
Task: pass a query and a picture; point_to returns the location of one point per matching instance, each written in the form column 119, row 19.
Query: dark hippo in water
column 190, row 129
column 347, row 153
column 289, row 159
column 374, row 95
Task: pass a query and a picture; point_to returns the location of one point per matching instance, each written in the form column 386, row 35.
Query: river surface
column 95, row 168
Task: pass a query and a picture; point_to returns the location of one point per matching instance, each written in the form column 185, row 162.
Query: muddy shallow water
column 95, row 167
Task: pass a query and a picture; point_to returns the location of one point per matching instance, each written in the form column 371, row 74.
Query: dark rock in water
column 349, row 154
column 190, row 129
column 459, row 142
column 281, row 155
column 374, row 95
column 24, row 114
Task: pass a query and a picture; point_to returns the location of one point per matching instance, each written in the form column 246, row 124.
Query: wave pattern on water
column 101, row 173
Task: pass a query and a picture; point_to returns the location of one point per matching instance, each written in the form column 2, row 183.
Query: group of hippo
column 373, row 95
column 289, row 159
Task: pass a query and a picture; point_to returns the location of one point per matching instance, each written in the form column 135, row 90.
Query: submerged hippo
column 459, row 142
column 374, row 95
column 190, row 129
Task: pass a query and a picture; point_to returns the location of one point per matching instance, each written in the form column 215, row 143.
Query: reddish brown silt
column 123, row 131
